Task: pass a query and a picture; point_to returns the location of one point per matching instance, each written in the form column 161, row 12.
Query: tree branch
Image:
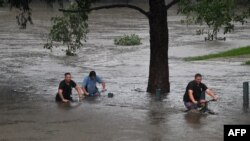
column 109, row 7
column 173, row 2
column 78, row 3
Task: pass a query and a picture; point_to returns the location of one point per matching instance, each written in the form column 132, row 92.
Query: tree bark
column 158, row 69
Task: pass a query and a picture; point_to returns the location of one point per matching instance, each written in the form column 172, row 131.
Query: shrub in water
column 128, row 40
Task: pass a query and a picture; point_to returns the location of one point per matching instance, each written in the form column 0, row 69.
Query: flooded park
column 30, row 76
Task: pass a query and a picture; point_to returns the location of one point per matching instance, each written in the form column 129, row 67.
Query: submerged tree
column 69, row 30
column 215, row 13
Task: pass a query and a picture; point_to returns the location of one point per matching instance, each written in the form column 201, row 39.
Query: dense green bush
column 1, row 3
column 128, row 40
column 247, row 62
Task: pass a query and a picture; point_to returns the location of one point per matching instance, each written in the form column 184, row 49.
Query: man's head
column 92, row 75
column 198, row 78
column 67, row 77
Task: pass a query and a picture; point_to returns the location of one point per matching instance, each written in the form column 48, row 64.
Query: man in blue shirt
column 89, row 84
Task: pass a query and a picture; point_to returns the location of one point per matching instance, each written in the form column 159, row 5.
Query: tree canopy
column 216, row 14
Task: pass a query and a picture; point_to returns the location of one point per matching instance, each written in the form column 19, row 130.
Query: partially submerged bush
column 247, row 62
column 128, row 40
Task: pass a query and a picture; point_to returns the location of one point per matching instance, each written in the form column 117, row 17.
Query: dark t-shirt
column 67, row 88
column 198, row 89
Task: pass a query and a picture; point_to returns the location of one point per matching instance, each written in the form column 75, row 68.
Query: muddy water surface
column 30, row 77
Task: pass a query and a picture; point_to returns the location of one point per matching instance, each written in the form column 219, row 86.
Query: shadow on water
column 245, row 109
column 194, row 117
column 69, row 105
column 157, row 116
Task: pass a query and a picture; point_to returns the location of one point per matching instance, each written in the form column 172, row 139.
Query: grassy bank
column 230, row 53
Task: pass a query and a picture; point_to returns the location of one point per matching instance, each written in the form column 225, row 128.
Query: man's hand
column 103, row 90
column 65, row 101
column 86, row 94
column 216, row 97
column 80, row 97
column 195, row 102
column 103, row 86
column 211, row 93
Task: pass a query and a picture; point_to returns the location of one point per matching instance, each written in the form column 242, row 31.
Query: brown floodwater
column 30, row 76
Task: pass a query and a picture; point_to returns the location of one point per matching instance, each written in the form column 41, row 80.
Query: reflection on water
column 69, row 105
column 156, row 114
column 194, row 117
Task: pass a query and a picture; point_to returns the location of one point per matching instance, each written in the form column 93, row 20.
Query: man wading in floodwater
column 89, row 84
column 65, row 89
column 195, row 93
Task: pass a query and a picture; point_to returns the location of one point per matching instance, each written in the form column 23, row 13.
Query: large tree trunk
column 158, row 69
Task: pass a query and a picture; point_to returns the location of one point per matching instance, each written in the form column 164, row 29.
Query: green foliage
column 215, row 14
column 51, row 2
column 20, row 4
column 128, row 40
column 1, row 3
column 247, row 62
column 70, row 30
column 230, row 53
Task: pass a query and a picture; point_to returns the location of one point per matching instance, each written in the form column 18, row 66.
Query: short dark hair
column 197, row 75
column 67, row 73
column 92, row 74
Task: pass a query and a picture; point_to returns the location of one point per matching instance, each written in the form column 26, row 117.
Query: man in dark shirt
column 195, row 93
column 65, row 89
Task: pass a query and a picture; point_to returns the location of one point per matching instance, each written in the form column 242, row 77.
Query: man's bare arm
column 84, row 90
column 211, row 93
column 103, row 86
column 191, row 96
column 60, row 92
column 79, row 90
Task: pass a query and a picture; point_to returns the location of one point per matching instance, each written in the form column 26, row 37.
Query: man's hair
column 67, row 73
column 92, row 74
column 197, row 75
